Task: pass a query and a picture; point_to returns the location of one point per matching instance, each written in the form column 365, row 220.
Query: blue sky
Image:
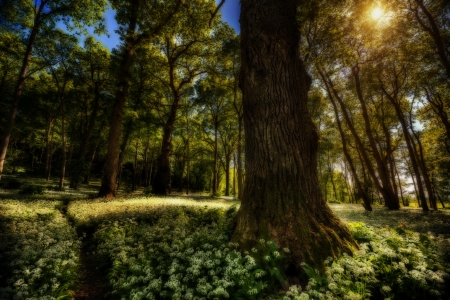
column 229, row 11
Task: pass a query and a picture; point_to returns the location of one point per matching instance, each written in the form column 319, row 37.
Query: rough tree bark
column 239, row 111
column 282, row 200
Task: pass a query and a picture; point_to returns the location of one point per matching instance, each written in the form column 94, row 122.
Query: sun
column 377, row 13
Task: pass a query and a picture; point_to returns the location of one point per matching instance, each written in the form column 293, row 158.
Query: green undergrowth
column 391, row 264
column 185, row 254
column 39, row 251
column 86, row 215
column 178, row 248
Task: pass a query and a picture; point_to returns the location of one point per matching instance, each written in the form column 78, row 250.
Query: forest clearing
column 225, row 149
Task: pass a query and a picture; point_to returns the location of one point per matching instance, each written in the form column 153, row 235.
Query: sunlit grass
column 415, row 219
column 87, row 212
column 39, row 251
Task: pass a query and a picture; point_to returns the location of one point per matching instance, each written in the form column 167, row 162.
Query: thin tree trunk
column 109, row 181
column 147, row 144
column 63, row 143
column 408, row 140
column 331, row 172
column 381, row 187
column 133, row 187
column 162, row 176
column 216, row 168
column 234, row 174
column 438, row 106
column 423, row 165
column 91, row 124
column 48, row 149
column 400, row 185
column 361, row 192
column 415, row 188
column 391, row 199
column 433, row 30
column 282, row 199
column 50, row 160
column 227, row 174
column 19, row 87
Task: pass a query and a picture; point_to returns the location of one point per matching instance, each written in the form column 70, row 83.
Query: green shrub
column 32, row 190
column 334, row 202
column 12, row 184
column 148, row 191
column 78, row 170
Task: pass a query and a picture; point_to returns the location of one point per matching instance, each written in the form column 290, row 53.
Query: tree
column 39, row 17
column 138, row 22
column 187, row 47
column 281, row 142
column 57, row 56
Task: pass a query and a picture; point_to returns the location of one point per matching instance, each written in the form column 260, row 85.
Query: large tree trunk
column 19, row 87
column 111, row 169
column 240, row 175
column 282, row 199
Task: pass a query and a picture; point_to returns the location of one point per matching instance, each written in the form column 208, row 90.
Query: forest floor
column 85, row 214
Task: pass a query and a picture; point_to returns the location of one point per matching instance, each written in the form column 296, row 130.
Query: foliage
column 38, row 251
column 32, row 190
column 391, row 264
column 78, row 170
column 185, row 254
column 13, row 184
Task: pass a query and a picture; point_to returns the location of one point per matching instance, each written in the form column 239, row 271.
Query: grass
column 436, row 222
column 87, row 213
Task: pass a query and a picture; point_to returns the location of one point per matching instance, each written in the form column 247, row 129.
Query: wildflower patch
column 391, row 264
column 39, row 251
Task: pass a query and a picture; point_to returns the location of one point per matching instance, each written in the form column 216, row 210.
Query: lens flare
column 377, row 13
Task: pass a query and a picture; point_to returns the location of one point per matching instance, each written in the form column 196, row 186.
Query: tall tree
column 139, row 21
column 282, row 199
column 187, row 48
column 57, row 53
column 42, row 15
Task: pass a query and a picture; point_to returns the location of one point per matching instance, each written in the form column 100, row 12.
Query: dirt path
column 93, row 283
